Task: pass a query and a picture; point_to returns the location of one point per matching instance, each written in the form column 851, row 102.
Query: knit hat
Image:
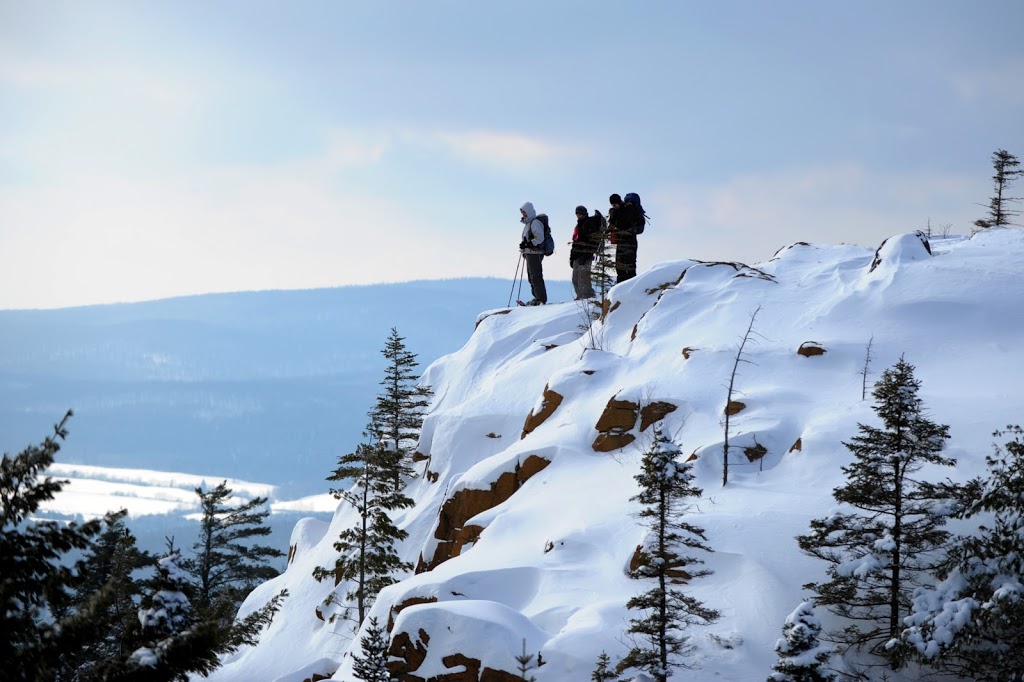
column 581, row 210
column 614, row 199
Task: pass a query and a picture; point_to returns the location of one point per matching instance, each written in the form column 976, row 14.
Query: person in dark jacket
column 623, row 219
column 584, row 245
column 532, row 249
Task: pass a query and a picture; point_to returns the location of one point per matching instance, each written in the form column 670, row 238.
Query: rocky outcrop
column 620, row 417
column 452, row 532
column 755, row 452
column 401, row 606
column 797, row 446
column 675, row 572
column 687, row 352
column 464, row 668
column 735, row 407
column 550, row 403
column 809, row 349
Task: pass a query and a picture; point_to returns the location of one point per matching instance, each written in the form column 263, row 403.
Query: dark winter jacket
column 585, row 238
column 623, row 222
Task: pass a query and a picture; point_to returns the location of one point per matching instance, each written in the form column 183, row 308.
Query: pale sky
column 155, row 149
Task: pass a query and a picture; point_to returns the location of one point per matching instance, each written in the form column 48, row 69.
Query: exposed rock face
column 464, row 668
column 735, row 407
column 550, row 403
column 755, row 452
column 687, row 352
column 674, row 573
column 656, row 411
column 452, row 531
column 500, row 312
column 797, row 446
column 607, row 308
column 619, row 418
column 809, row 349
column 398, row 608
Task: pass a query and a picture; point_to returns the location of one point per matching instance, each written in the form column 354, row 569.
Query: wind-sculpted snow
column 548, row 563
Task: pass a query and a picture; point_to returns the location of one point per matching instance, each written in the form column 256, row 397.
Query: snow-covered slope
column 527, row 529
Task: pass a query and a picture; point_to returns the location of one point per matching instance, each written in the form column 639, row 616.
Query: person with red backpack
column 626, row 221
column 532, row 249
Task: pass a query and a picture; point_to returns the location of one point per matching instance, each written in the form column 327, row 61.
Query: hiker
column 532, row 249
column 623, row 219
column 584, row 246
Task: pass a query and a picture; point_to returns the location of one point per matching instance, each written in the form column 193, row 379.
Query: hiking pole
column 519, row 296
column 519, row 264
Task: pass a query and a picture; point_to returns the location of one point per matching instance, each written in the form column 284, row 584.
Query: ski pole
column 519, row 264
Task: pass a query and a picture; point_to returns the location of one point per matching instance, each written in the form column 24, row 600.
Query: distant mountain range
column 267, row 386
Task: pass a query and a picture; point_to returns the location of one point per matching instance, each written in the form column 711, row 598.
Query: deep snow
column 549, row 566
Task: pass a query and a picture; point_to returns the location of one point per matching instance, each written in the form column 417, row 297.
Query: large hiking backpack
column 549, row 243
column 641, row 215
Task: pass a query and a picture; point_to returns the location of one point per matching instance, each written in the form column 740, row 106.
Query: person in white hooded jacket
column 532, row 249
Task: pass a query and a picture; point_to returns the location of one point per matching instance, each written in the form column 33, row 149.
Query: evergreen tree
column 878, row 553
column 226, row 566
column 603, row 672
column 176, row 643
column 665, row 612
column 366, row 552
column 1007, row 169
column 35, row 569
column 972, row 622
column 397, row 417
column 603, row 272
column 109, row 593
column 371, row 666
column 802, row 656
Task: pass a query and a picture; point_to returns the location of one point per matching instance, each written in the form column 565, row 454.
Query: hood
column 531, row 213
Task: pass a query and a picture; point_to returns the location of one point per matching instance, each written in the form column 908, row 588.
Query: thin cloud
column 503, row 149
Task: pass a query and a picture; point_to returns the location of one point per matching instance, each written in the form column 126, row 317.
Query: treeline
column 80, row 601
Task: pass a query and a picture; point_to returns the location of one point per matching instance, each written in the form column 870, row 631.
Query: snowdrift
column 523, row 527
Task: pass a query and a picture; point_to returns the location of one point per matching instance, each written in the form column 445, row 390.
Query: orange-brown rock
column 465, row 504
column 693, row 457
column 317, row 677
column 606, row 310
column 735, row 407
column 809, row 349
column 656, row 411
column 411, row 655
column 550, row 403
column 470, row 672
column 797, row 446
column 419, row 456
column 675, row 573
column 687, row 352
column 492, row 675
column 606, row 442
column 755, row 452
column 401, row 606
column 292, row 549
column 618, row 415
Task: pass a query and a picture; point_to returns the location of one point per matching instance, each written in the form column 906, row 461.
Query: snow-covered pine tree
column 802, row 656
column 34, row 569
column 107, row 596
column 603, row 672
column 397, row 416
column 603, row 272
column 371, row 666
column 666, row 488
column 367, row 557
column 225, row 565
column 971, row 623
column 878, row 554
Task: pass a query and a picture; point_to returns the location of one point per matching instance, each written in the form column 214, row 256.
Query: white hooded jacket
column 533, row 230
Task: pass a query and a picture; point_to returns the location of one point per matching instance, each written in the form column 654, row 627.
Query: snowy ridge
column 546, row 562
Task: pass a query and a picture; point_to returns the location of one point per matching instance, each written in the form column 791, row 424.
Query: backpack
column 549, row 243
column 641, row 215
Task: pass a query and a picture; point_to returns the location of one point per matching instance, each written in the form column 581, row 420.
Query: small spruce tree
column 371, row 666
column 225, row 565
column 1007, row 170
column 397, row 416
column 664, row 611
column 971, row 624
column 802, row 657
column 367, row 557
column 603, row 672
column 881, row 551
